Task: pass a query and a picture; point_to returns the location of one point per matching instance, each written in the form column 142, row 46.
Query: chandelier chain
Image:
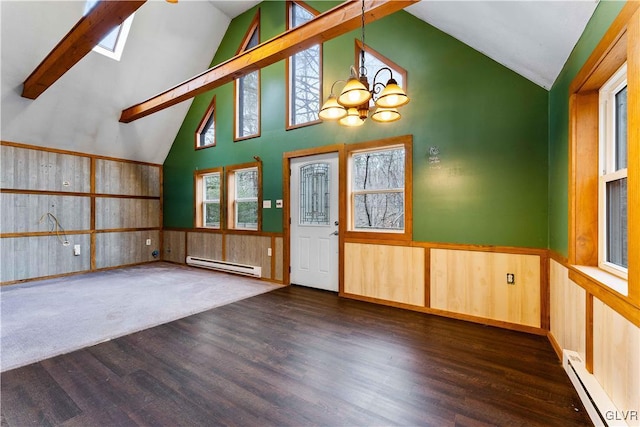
column 363, row 70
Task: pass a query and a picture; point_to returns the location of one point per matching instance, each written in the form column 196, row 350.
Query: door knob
column 335, row 233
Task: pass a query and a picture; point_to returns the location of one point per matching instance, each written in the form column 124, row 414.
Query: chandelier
column 351, row 107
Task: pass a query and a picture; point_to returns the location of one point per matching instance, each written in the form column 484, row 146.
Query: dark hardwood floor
column 297, row 357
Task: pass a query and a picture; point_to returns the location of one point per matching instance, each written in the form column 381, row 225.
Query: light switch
column 266, row 204
column 279, row 204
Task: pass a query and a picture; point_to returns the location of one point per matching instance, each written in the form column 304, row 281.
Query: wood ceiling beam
column 333, row 23
column 79, row 41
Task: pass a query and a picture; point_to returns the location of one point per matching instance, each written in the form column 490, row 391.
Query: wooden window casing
column 289, row 73
column 406, row 234
column 230, row 173
column 202, row 127
column 199, row 176
column 384, row 76
column 254, row 28
column 620, row 44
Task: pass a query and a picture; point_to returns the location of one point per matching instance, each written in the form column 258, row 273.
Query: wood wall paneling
column 40, row 256
column 174, row 246
column 26, row 213
column 204, row 245
column 475, row 283
column 616, row 356
column 36, row 181
column 249, row 249
column 27, row 169
column 125, row 248
column 127, row 178
column 392, row 273
column 568, row 304
column 278, row 253
column 115, row 213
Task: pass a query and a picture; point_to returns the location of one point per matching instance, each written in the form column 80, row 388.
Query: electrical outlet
column 269, row 252
column 76, row 250
column 511, row 279
column 148, row 242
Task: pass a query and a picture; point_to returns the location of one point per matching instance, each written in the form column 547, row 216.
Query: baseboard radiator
column 599, row 406
column 228, row 267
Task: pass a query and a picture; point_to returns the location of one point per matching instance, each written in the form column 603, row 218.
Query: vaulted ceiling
column 170, row 43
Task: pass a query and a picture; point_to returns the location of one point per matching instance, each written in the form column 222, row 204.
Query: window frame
column 253, row 27
column 289, row 74
column 211, row 112
column 359, row 46
column 607, row 168
column 617, row 46
column 121, row 38
column 231, row 205
column 381, row 145
column 199, row 176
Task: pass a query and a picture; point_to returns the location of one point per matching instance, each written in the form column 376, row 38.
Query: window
column 303, row 73
column 379, row 187
column 111, row 45
column 206, row 133
column 604, row 211
column 244, row 183
column 247, row 91
column 612, row 195
column 374, row 62
column 314, row 194
column 208, row 197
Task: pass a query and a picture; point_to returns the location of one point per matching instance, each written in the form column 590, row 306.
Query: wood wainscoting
column 390, row 273
column 461, row 281
column 251, row 248
column 53, row 200
column 475, row 283
column 607, row 341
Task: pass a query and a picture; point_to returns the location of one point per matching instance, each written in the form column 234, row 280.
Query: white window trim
column 121, row 38
column 237, row 199
column 205, row 201
column 352, row 193
column 607, row 172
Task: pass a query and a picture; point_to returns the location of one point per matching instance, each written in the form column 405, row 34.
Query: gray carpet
column 46, row 318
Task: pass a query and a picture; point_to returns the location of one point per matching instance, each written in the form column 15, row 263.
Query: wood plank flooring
column 298, row 357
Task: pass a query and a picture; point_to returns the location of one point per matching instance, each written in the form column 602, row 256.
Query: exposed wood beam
column 87, row 33
column 333, row 23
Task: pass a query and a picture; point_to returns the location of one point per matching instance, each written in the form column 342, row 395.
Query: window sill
column 604, row 279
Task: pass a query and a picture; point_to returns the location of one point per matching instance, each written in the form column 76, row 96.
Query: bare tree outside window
column 246, row 199
column 248, row 98
column 304, row 84
column 207, row 137
column 248, row 105
column 378, row 189
column 211, row 200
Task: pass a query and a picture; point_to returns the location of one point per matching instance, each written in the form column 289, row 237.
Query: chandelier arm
column 378, row 72
column 376, row 86
column 334, row 84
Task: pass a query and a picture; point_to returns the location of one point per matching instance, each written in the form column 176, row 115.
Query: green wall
column 490, row 125
column 602, row 18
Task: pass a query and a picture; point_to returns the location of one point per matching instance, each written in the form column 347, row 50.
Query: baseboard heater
column 229, row 267
column 599, row 406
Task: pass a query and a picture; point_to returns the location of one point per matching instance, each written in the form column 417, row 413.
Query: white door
column 314, row 221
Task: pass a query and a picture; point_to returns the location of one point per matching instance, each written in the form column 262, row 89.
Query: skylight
column 112, row 45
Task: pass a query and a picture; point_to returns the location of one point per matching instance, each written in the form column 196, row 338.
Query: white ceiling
column 170, row 43
column 532, row 38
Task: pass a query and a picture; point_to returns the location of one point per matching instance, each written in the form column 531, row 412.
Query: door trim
column 286, row 208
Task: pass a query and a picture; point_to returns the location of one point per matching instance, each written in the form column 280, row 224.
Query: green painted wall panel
column 602, row 18
column 490, row 125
